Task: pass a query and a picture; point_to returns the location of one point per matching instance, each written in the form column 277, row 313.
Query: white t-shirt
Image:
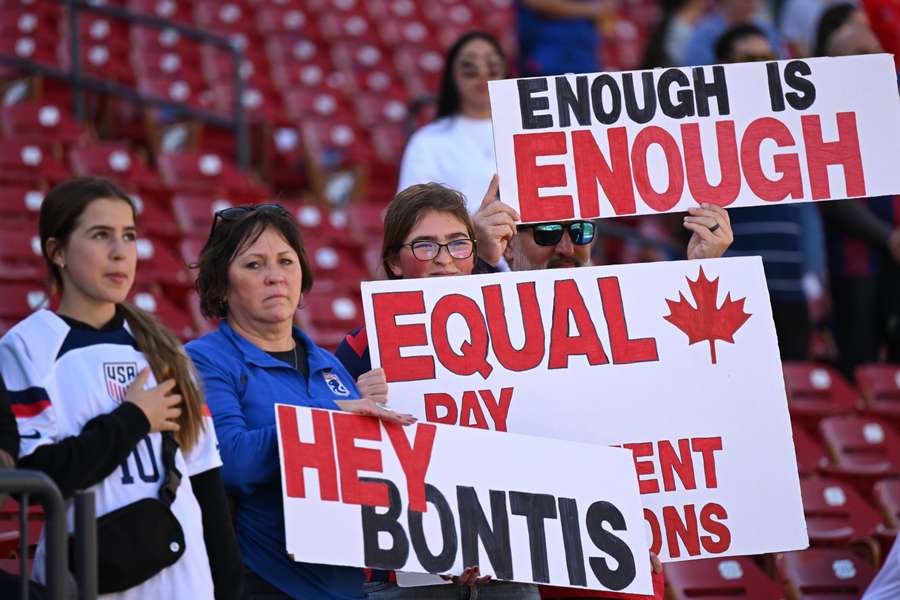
column 456, row 151
column 73, row 375
column 886, row 585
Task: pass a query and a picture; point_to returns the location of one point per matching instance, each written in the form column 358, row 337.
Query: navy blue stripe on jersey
column 82, row 338
column 28, row 402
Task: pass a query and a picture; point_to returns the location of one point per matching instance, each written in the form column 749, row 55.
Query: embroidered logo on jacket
column 118, row 377
column 334, row 382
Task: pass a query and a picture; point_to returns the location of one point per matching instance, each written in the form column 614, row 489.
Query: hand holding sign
column 495, row 224
column 712, row 231
column 370, row 408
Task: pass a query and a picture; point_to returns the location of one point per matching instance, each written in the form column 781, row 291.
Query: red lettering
column 591, row 167
column 473, row 354
column 567, row 300
column 317, row 455
column 643, row 467
column 348, row 428
column 498, row 410
column 707, row 448
column 670, row 462
column 624, row 349
column 716, row 528
column 414, row 458
column 392, row 337
column 684, row 530
column 844, row 152
column 527, row 147
column 532, row 352
column 471, row 414
column 655, row 533
column 433, row 401
column 786, row 165
column 729, row 185
column 658, row 201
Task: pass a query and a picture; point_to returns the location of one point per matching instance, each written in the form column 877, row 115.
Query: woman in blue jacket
column 251, row 274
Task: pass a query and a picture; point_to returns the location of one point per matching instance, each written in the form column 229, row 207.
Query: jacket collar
column 254, row 355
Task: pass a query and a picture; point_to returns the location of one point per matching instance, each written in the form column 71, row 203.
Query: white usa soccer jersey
column 68, row 376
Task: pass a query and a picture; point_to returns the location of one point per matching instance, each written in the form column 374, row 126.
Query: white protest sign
column 645, row 142
column 602, row 355
column 433, row 498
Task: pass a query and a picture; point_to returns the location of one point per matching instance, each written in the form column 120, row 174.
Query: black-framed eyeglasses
column 549, row 234
column 425, row 250
column 236, row 212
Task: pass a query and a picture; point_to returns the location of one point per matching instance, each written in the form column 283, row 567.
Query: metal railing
column 56, row 563
column 81, row 82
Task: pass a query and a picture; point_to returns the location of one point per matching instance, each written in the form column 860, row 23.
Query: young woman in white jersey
column 100, row 391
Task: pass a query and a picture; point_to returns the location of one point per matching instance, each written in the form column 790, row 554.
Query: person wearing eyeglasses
column 251, row 274
column 457, row 148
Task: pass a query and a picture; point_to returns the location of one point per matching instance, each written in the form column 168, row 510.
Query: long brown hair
column 59, row 216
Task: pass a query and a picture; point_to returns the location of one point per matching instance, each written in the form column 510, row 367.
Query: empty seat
column 835, row 512
column 157, row 263
column 41, row 122
column 209, row 172
column 116, row 162
column 21, row 203
column 887, row 494
column 20, row 255
column 829, row 574
column 880, row 386
column 862, row 449
column 815, row 391
column 810, row 454
column 169, row 314
column 719, row 578
column 194, row 213
column 23, row 160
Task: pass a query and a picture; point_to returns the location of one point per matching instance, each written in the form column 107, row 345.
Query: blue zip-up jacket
column 242, row 383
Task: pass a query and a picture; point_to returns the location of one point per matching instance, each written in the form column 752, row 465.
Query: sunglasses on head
column 236, row 212
column 549, row 234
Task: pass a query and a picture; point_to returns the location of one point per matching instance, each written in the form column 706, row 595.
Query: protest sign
column 677, row 361
column 434, row 498
column 645, row 142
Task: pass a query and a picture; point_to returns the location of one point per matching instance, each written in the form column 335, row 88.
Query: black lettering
column 473, row 526
column 600, row 113
column 605, row 512
column 684, row 107
column 528, row 104
column 443, row 561
column 535, row 508
column 703, row 91
column 639, row 115
column 579, row 104
column 571, row 530
column 776, row 93
column 392, row 558
column 795, row 73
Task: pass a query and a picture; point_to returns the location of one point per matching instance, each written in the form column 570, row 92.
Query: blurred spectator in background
column 863, row 236
column 884, row 19
column 727, row 14
column 457, row 149
column 778, row 232
column 668, row 42
column 561, row 36
column 799, row 20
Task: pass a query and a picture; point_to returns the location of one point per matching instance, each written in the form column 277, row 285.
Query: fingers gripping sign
column 711, row 227
column 495, row 224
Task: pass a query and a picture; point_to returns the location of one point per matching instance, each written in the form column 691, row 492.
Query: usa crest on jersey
column 335, row 384
column 118, row 376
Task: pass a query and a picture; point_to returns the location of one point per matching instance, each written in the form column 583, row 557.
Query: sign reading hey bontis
column 433, row 498
column 676, row 361
column 645, row 142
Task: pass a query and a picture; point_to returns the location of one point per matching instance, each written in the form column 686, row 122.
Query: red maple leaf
column 706, row 322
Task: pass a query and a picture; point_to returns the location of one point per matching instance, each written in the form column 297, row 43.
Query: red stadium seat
column 336, row 268
column 328, row 318
column 116, row 162
column 194, row 213
column 165, row 9
column 155, row 41
column 28, row 162
column 19, row 301
column 177, row 320
column 862, row 450
column 829, row 574
column 349, row 26
column 20, row 255
column 157, row 263
column 720, row 578
column 21, row 203
column 207, row 172
column 302, row 103
column 880, row 386
column 224, row 17
column 835, row 512
column 42, row 123
column 815, row 391
column 166, row 64
column 887, row 493
column 277, row 19
column 175, row 88
column 810, row 454
column 381, row 109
